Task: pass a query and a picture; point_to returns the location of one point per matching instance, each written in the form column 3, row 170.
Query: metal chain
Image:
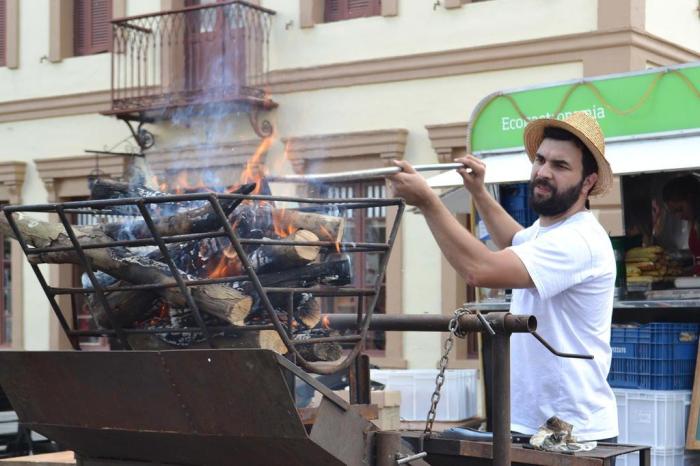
column 453, row 327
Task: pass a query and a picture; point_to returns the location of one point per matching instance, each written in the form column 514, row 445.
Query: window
column 338, row 10
column 92, row 30
column 3, row 33
column 362, row 225
column 6, row 294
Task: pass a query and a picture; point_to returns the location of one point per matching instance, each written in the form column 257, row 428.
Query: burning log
column 280, row 257
column 128, row 306
column 271, row 220
column 221, row 301
column 193, row 220
column 250, row 216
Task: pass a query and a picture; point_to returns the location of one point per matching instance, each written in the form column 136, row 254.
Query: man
column 562, row 270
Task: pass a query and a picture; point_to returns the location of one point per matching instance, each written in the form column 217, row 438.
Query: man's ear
column 589, row 182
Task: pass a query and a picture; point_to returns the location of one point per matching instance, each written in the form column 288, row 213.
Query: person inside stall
column 681, row 196
column 561, row 269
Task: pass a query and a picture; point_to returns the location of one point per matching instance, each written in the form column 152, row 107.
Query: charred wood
column 222, row 301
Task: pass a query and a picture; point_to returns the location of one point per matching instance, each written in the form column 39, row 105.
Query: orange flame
column 228, row 265
column 327, row 233
column 325, row 322
column 281, row 224
column 254, row 172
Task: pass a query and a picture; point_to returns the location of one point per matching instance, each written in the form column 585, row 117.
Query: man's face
column 557, row 177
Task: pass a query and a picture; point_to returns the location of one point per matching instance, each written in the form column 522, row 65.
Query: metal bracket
column 262, row 128
column 144, row 138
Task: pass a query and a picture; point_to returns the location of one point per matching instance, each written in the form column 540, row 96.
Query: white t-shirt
column 572, row 265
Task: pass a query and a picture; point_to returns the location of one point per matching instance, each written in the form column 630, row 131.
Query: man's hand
column 410, row 186
column 474, row 179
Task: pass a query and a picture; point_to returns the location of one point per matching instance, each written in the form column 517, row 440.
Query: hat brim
column 534, row 134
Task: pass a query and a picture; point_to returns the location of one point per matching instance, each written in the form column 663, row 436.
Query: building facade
column 347, row 85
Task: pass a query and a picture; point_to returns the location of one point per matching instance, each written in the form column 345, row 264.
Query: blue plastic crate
column 657, row 356
column 514, row 199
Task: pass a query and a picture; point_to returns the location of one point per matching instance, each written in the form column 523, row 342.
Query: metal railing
column 197, row 55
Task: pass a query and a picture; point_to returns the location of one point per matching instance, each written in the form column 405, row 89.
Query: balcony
column 194, row 58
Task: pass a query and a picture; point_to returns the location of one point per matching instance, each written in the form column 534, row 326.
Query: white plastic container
column 662, row 457
column 457, row 397
column 653, row 417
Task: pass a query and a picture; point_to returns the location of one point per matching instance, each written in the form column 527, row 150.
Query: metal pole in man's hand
column 355, row 175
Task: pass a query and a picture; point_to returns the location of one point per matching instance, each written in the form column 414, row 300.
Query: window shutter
column 361, row 8
column 3, row 33
column 92, row 28
column 100, row 26
column 333, row 11
column 337, row 10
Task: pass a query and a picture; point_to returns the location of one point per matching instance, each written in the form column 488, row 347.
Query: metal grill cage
column 144, row 208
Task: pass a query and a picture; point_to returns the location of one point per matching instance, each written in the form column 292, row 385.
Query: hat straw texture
column 587, row 130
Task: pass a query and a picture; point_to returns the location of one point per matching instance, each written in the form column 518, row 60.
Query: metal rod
column 174, row 198
column 359, row 174
column 434, row 322
column 410, row 459
column 42, row 281
column 500, row 394
column 175, row 272
column 558, row 353
column 344, row 247
column 87, row 264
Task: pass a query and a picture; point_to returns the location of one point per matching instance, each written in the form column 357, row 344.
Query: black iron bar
column 500, row 394
column 338, row 339
column 290, row 313
column 45, row 286
column 91, row 275
column 325, row 291
column 193, row 8
column 343, row 246
column 434, row 322
column 176, row 198
column 175, row 272
column 243, row 257
column 229, row 329
column 558, row 353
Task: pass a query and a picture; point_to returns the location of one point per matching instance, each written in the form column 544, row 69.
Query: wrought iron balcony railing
column 206, row 54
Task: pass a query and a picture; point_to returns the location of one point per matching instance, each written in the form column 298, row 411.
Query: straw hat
column 585, row 128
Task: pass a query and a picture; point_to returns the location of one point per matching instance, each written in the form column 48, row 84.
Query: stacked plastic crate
column 652, row 373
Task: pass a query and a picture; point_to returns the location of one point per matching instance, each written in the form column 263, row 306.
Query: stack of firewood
column 223, row 304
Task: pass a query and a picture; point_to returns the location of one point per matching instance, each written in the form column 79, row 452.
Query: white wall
column 675, row 20
column 37, row 76
column 421, row 28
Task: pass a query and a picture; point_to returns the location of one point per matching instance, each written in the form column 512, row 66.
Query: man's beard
column 557, row 203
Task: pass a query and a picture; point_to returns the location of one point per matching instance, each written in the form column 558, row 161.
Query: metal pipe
column 500, row 321
column 500, row 394
column 353, row 175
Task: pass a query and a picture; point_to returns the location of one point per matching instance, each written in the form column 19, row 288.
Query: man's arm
column 478, row 265
column 501, row 226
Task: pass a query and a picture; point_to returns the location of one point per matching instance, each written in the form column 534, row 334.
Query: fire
column 327, row 233
column 280, row 223
column 228, row 265
column 325, row 322
column 254, row 172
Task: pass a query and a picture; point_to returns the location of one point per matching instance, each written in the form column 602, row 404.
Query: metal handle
column 557, row 353
column 409, row 459
column 353, row 175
